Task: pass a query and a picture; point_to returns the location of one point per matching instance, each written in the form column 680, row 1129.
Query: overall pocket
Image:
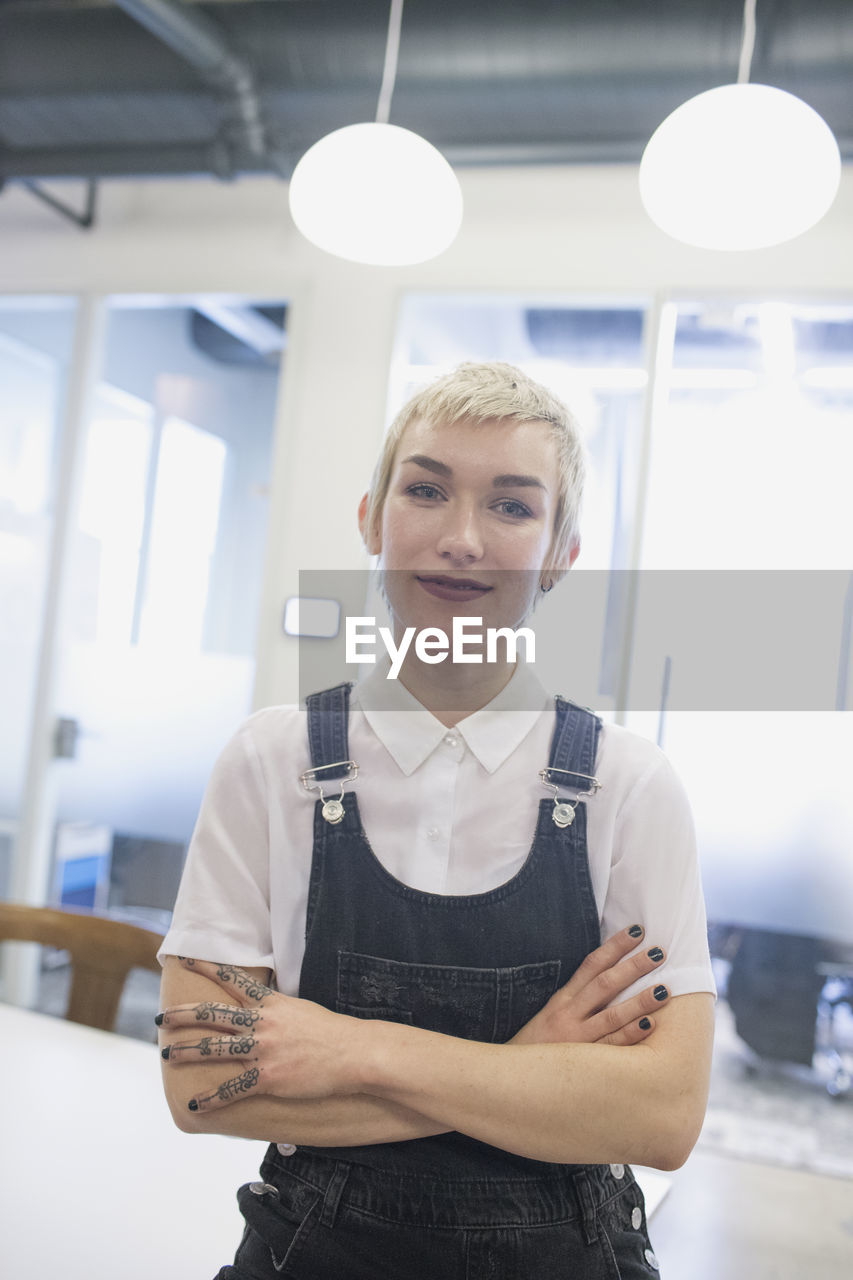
column 279, row 1222
column 475, row 1004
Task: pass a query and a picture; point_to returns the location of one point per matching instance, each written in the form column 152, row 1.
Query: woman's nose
column 461, row 538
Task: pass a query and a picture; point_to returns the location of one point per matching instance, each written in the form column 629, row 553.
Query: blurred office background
column 192, row 397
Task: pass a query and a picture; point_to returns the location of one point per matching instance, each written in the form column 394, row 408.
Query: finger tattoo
column 239, row 1084
column 232, row 1014
column 245, row 1017
column 233, row 1047
column 205, row 1012
column 250, row 987
column 230, row 1089
column 213, row 1047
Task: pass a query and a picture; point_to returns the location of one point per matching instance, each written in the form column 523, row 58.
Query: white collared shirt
column 446, row 811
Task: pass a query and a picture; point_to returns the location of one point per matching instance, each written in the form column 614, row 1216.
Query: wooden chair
column 103, row 951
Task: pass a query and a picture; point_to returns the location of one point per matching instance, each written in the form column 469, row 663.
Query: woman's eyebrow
column 499, row 482
column 430, row 464
column 510, row 482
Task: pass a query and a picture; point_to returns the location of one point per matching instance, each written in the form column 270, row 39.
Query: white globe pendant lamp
column 376, row 193
column 742, row 166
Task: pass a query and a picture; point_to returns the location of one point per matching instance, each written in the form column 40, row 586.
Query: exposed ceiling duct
column 195, row 37
column 92, row 89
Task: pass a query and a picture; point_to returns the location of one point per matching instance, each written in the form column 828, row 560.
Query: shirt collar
column 492, row 733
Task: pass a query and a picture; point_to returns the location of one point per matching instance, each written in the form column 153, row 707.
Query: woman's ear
column 370, row 537
column 551, row 577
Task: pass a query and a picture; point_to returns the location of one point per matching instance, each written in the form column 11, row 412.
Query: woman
column 454, row 1071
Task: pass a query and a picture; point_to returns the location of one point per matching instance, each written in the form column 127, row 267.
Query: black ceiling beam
column 166, row 159
column 215, row 160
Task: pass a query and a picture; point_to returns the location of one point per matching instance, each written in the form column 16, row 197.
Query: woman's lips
column 459, row 590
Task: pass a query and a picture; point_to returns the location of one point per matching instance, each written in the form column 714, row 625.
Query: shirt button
column 433, row 833
column 618, row 1170
column 451, row 740
column 637, row 1218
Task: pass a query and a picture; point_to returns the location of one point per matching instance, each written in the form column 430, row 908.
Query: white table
column 96, row 1182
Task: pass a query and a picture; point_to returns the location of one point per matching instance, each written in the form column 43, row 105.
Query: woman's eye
column 423, row 491
column 510, row 507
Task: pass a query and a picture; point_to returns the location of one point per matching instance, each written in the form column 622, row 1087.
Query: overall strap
column 574, row 745
column 328, row 719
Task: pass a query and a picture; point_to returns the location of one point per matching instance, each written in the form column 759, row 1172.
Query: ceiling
column 108, row 88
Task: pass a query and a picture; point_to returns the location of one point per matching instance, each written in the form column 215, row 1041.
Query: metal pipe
column 197, row 39
column 84, row 219
column 658, row 341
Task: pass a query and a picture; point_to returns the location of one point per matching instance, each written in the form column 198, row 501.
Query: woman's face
column 467, row 522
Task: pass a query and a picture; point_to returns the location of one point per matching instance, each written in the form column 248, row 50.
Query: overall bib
column 479, row 966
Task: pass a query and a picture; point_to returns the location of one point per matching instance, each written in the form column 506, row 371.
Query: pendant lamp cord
column 747, row 42
column 389, row 71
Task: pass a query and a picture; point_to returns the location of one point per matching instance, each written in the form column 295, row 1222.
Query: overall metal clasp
column 333, row 810
column 563, row 813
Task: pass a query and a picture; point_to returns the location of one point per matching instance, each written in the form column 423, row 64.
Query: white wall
column 571, row 231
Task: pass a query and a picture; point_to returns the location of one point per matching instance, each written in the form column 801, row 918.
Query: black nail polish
column 644, row 1024
column 655, row 954
column 660, row 993
column 636, row 931
column 192, row 1105
column 159, row 1020
column 164, row 1053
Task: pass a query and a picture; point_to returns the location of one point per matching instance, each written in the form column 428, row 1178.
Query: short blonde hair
column 488, row 391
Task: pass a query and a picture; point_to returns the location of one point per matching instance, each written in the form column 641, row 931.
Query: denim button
column 285, row 1148
column 637, row 1218
column 262, row 1188
column 652, row 1260
column 618, row 1170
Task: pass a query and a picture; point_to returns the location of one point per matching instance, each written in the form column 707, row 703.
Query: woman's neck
column 451, row 691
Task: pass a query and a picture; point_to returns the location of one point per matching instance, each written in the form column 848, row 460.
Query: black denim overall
column 479, row 967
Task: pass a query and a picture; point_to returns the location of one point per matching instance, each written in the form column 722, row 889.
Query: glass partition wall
column 164, row 581
column 150, row 663
column 720, row 437
column 749, row 476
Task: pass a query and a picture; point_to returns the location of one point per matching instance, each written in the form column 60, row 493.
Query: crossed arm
column 346, row 1119
column 581, row 1083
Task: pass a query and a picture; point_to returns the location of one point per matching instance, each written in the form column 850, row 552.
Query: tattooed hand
column 289, row 1047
